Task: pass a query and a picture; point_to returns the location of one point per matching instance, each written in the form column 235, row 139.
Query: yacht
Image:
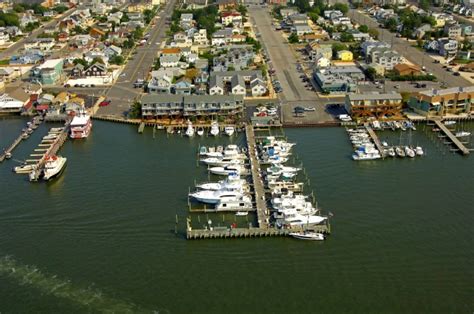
column 419, row 151
column 360, row 155
column 221, row 161
column 229, row 130
column 53, row 167
column 232, row 182
column 307, row 235
column 81, row 126
column 190, row 130
column 278, row 169
column 216, row 197
column 214, row 129
column 409, row 152
column 462, row 134
column 224, row 171
column 25, row 168
column 200, row 132
column 296, row 219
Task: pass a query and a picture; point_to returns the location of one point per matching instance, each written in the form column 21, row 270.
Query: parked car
column 104, row 103
column 456, row 74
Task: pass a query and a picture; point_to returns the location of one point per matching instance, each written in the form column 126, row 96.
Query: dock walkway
column 262, row 211
column 452, row 137
column 376, row 140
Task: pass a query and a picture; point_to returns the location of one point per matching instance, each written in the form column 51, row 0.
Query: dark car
column 456, row 74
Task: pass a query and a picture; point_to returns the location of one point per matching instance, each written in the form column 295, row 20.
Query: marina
column 454, row 140
column 273, row 194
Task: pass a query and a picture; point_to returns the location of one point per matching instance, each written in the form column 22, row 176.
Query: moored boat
column 306, row 235
column 229, row 130
column 214, row 129
column 190, row 130
column 80, row 126
column 53, row 167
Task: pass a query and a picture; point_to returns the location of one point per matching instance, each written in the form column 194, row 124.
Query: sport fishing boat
column 216, row 197
column 307, row 235
column 81, row 126
column 214, row 129
column 190, row 130
column 224, row 171
column 224, row 161
column 229, row 130
column 200, row 132
column 53, row 167
column 232, row 182
column 241, row 204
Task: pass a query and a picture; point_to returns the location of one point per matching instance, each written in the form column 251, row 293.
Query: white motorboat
column 224, row 171
column 232, row 182
column 51, row 136
column 241, row 213
column 214, row 129
column 216, row 197
column 296, row 219
column 200, row 132
column 190, row 130
column 419, row 151
column 384, row 144
column 56, row 130
column 450, row 122
column 275, row 160
column 365, row 156
column 306, row 235
column 409, row 152
column 400, row 152
column 53, row 167
column 229, row 130
column 24, row 169
column 80, row 126
column 222, row 161
column 462, row 134
column 391, row 152
column 278, row 169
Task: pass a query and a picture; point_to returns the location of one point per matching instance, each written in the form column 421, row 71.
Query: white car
column 344, row 117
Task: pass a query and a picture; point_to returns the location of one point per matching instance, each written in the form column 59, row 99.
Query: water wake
column 92, row 299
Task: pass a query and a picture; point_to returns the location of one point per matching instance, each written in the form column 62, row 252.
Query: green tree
column 242, row 9
column 391, row 24
column 371, row 73
column 313, row 16
column 124, row 18
column 347, row 37
column 293, row 38
column 80, row 61
column 303, row 5
column 119, row 60
column 374, row 33
column 135, row 111
column 18, row 8
column 344, row 8
column 338, row 47
column 60, row 9
column 364, row 28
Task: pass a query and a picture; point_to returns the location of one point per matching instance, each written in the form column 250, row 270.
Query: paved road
column 281, row 56
column 412, row 54
column 122, row 92
column 7, row 53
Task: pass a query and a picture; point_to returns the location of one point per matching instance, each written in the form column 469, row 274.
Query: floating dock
column 464, row 150
column 16, row 142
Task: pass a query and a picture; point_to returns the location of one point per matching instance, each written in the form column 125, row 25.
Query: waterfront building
column 373, row 105
column 49, row 72
column 163, row 106
column 443, row 102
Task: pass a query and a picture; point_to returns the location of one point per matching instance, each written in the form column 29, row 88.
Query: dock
column 376, row 140
column 261, row 205
column 16, row 142
column 464, row 150
column 47, row 148
column 251, row 232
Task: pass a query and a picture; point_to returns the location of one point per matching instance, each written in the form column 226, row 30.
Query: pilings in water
column 460, row 146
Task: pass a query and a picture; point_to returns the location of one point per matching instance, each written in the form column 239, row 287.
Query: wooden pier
column 16, row 142
column 227, row 232
column 376, row 140
column 52, row 149
column 464, row 150
column 259, row 190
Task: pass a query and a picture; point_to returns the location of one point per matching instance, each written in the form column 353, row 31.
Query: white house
column 238, row 85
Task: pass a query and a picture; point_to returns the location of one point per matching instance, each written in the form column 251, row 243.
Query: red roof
column 226, row 14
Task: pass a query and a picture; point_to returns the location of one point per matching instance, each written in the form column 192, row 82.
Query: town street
column 121, row 93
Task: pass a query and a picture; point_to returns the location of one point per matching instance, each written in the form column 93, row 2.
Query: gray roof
column 237, row 80
column 375, row 96
column 216, row 81
column 447, row 91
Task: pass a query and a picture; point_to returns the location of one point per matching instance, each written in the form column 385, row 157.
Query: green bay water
column 101, row 237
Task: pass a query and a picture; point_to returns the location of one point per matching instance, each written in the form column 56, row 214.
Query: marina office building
column 163, row 106
column 439, row 103
column 374, row 105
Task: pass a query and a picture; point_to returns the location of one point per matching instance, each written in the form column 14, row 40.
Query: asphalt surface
column 7, row 53
column 285, row 63
column 122, row 94
column 412, row 54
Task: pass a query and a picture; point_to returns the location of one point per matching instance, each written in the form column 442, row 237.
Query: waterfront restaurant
column 455, row 101
column 165, row 106
column 373, row 105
